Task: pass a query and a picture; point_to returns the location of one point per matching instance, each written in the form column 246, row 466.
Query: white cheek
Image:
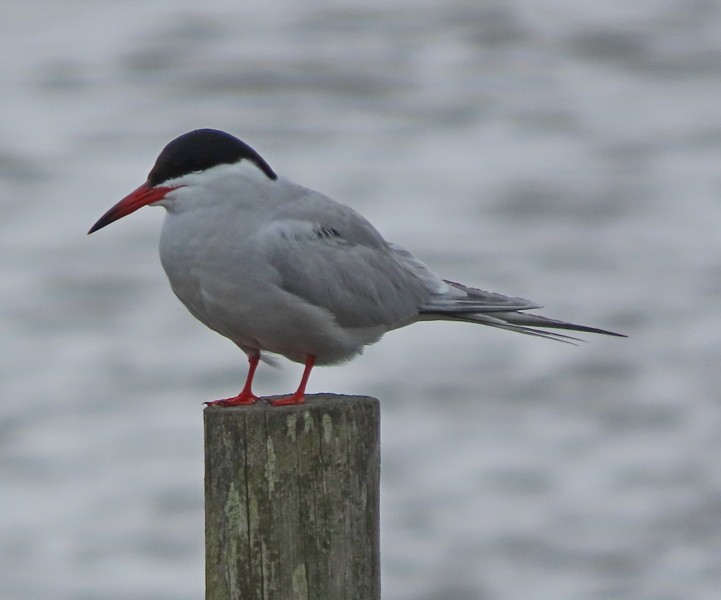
column 171, row 199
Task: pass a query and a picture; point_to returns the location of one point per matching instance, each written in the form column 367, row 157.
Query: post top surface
column 312, row 402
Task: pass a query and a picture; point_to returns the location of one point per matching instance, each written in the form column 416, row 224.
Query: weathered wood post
column 292, row 500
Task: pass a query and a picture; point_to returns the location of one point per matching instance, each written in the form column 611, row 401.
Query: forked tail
column 495, row 310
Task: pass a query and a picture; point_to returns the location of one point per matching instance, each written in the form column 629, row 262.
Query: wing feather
column 330, row 256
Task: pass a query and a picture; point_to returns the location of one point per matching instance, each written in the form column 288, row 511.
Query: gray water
column 567, row 152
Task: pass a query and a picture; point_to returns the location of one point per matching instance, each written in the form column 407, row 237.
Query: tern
column 279, row 268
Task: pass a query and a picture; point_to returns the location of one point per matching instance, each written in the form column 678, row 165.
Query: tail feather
column 530, row 320
column 525, row 323
column 462, row 303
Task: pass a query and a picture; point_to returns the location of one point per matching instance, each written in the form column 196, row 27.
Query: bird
column 279, row 268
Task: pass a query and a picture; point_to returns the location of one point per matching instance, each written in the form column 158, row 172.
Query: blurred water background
column 567, row 152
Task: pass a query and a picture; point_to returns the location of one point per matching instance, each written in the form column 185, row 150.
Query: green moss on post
column 292, row 500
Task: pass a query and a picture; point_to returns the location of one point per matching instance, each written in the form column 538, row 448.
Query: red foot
column 288, row 400
column 299, row 395
column 244, row 398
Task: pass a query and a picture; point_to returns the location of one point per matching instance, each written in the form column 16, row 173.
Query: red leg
column 246, row 396
column 297, row 398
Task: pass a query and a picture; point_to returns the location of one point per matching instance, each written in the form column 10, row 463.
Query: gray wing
column 330, row 256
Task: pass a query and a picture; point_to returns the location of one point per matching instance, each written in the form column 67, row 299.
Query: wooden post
column 292, row 500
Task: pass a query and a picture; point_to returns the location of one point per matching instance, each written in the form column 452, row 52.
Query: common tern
column 277, row 267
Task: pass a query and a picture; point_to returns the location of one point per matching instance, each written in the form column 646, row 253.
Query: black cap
column 200, row 150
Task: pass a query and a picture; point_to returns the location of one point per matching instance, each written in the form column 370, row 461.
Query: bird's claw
column 239, row 400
